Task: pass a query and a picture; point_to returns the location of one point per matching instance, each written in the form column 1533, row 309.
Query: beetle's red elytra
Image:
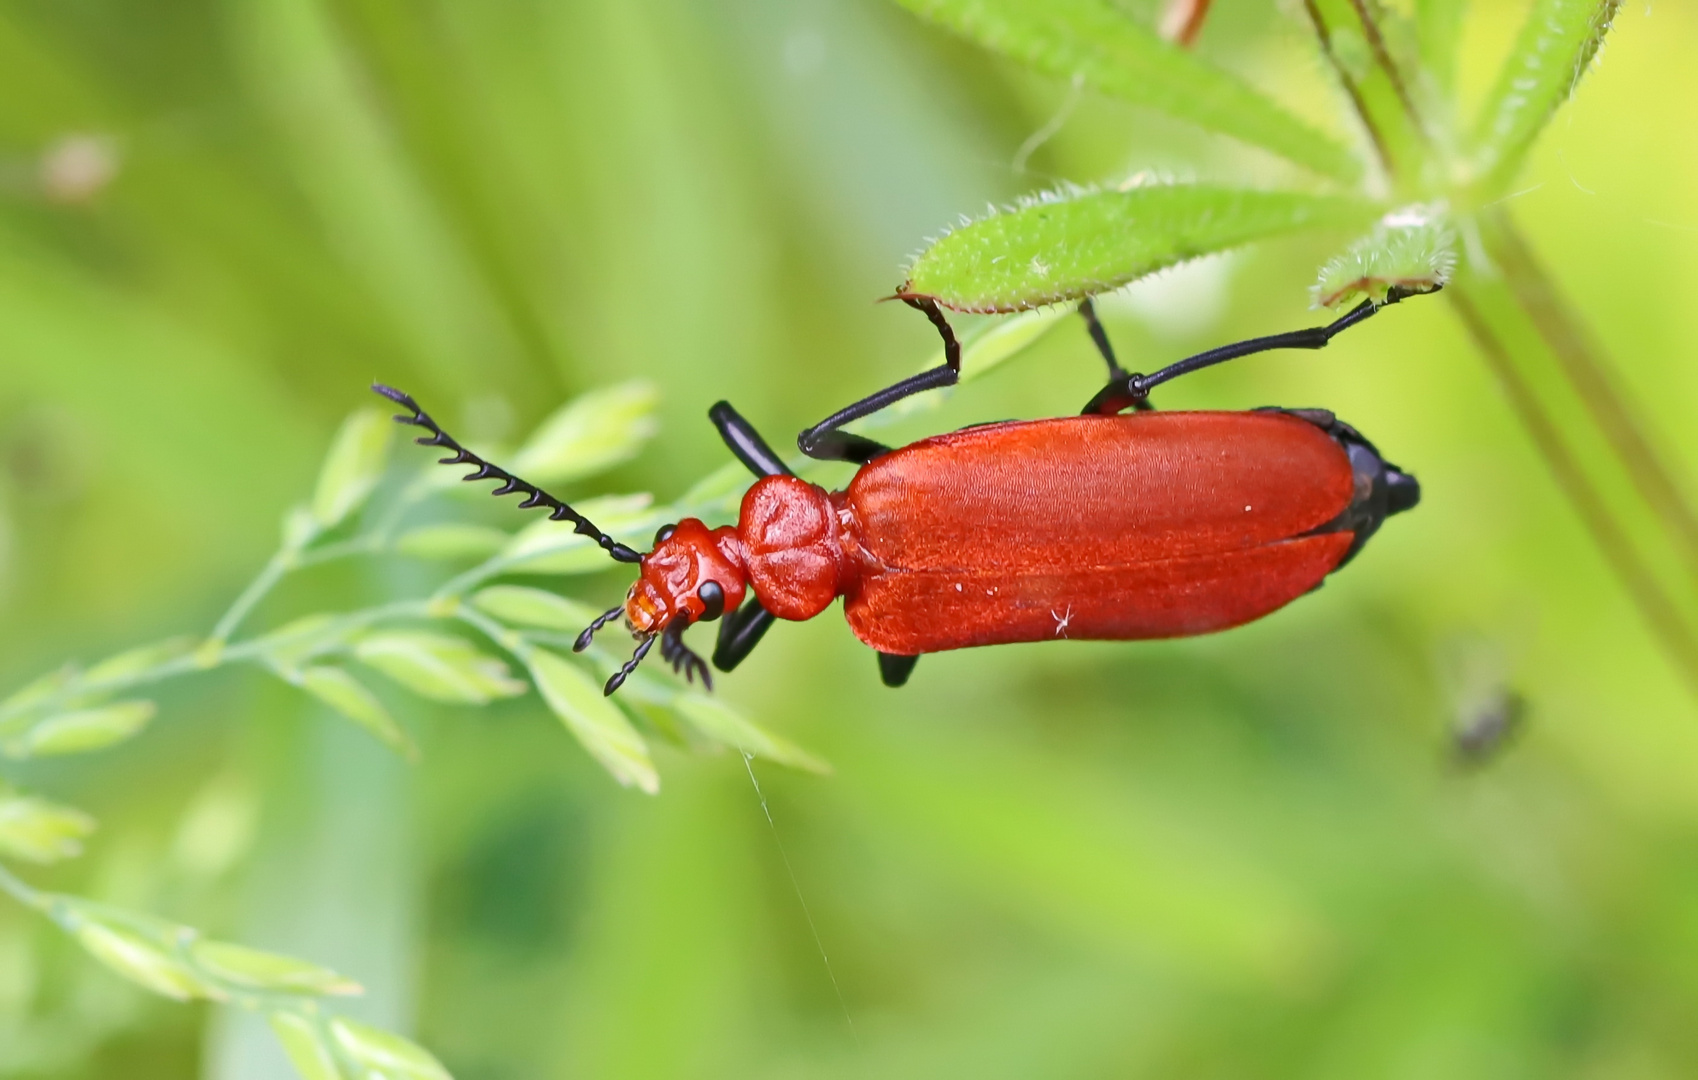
column 1107, row 526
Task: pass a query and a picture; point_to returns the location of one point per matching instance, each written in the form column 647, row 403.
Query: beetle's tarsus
column 618, row 678
column 593, row 628
column 683, row 660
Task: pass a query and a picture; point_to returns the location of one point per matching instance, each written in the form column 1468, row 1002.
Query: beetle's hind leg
column 1112, row 398
column 894, row 669
column 1133, row 390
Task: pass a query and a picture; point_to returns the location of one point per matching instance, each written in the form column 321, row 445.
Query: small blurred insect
column 1132, row 526
column 1486, row 727
column 1487, row 712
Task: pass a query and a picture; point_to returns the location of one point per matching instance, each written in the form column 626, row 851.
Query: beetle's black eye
column 663, row 534
column 713, row 600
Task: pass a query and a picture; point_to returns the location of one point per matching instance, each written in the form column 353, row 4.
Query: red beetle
column 1101, row 526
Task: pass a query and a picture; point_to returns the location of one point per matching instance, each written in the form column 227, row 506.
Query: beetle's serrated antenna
column 628, row 666
column 602, row 620
column 683, row 660
column 534, row 496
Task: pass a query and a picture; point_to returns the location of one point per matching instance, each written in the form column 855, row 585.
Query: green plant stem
column 275, row 568
column 1323, row 34
column 247, row 651
column 1366, row 12
column 1654, row 605
column 1589, row 375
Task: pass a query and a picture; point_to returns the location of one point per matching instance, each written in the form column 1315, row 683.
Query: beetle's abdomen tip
column 1403, row 491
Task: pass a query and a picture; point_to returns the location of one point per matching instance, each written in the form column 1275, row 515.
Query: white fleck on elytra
column 1062, row 620
column 1246, row 509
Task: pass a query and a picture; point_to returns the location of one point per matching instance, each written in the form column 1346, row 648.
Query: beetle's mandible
column 1109, row 525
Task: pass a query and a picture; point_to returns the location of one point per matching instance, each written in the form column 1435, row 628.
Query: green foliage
column 308, row 1048
column 352, row 468
column 35, row 830
column 1414, row 250
column 347, row 695
column 596, row 722
column 451, row 541
column 1240, row 856
column 1549, row 58
column 386, row 1054
column 723, row 724
column 553, row 547
column 81, row 730
column 240, row 966
column 1072, row 245
column 590, row 434
column 521, row 605
column 1094, row 41
column 437, row 666
column 176, row 962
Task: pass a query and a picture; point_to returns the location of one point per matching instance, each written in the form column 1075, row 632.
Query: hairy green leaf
column 352, row 467
column 385, row 1053
column 82, row 730
column 1092, row 41
column 304, row 1042
column 725, row 725
column 596, row 721
column 1069, row 246
column 438, row 666
column 452, row 541
column 590, row 433
column 254, row 969
column 39, row 831
column 348, row 696
column 1555, row 46
column 533, row 607
column 1413, row 249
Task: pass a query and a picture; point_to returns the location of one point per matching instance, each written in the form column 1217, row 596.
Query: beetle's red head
column 694, row 574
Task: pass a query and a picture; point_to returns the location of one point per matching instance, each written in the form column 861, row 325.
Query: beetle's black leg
column 1132, row 389
column 1117, row 375
column 825, row 442
column 745, row 442
column 894, row 669
column 739, row 633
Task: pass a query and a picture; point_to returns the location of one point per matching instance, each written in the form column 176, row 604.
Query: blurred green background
column 1246, row 855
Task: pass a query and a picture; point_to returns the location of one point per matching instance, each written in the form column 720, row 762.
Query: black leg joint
column 951, row 344
column 1126, row 392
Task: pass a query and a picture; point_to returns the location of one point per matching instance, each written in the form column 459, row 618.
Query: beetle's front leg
column 740, row 631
